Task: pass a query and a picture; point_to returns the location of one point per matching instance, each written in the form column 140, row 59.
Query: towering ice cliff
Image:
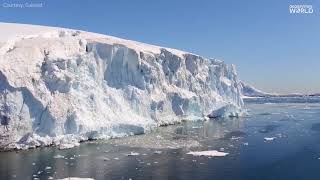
column 62, row 86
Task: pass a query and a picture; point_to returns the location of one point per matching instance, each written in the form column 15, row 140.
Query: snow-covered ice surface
column 61, row 86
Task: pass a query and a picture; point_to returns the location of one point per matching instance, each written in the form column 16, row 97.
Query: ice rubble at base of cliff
column 66, row 86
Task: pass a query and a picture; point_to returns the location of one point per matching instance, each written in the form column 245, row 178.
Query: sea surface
column 279, row 139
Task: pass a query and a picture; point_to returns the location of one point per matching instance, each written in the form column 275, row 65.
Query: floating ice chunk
column 133, row 154
column 48, row 168
column 106, row 159
column 212, row 153
column 68, row 146
column 269, row 138
column 228, row 110
column 235, row 138
column 58, row 156
column 157, row 152
column 245, row 144
column 76, row 178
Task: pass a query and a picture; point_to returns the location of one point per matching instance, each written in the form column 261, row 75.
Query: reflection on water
column 162, row 154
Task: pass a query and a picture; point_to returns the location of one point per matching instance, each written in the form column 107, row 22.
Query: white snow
column 60, row 86
column 212, row 153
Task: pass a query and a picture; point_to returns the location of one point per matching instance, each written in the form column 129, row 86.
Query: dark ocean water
column 294, row 153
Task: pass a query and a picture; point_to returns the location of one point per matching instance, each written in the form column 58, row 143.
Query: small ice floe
column 235, row 138
column 50, row 177
column 48, row 168
column 58, row 156
column 133, row 154
column 82, row 155
column 157, row 152
column 279, row 135
column 212, row 153
column 269, row 138
column 33, row 164
column 245, row 144
column 67, row 146
column 106, row 159
column 116, row 158
column 76, row 178
column 221, row 149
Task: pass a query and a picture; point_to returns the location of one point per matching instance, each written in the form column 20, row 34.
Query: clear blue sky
column 273, row 49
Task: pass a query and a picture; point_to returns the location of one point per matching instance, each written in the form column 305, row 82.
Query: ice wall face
column 65, row 86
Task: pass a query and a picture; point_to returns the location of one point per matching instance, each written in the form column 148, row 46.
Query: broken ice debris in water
column 212, row 153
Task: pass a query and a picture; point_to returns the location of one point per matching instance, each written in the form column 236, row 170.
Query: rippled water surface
column 294, row 152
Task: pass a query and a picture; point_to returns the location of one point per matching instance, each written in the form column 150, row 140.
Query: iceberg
column 61, row 86
column 250, row 91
